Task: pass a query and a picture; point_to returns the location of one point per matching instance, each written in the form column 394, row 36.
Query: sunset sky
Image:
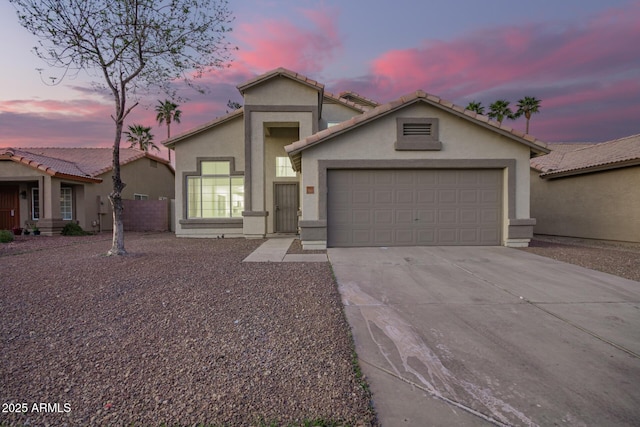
column 580, row 57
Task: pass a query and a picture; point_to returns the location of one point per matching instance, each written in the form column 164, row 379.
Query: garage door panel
column 425, row 196
column 447, row 216
column 489, row 216
column 447, row 196
column 414, row 207
column 361, row 197
column 405, row 196
column 489, row 196
column 447, row 177
column 426, row 216
column 361, row 237
column 361, row 217
column 384, row 178
column 447, row 236
column 426, row 237
column 383, row 236
column 468, row 236
column 468, row 196
column 383, row 196
column 469, row 216
column 383, row 217
column 404, row 237
column 404, row 216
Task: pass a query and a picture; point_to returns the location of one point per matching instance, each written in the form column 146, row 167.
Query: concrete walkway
column 461, row 336
column 275, row 250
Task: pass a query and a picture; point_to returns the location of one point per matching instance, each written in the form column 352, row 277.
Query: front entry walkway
column 275, row 250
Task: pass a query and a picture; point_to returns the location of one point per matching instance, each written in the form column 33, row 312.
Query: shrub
column 73, row 229
column 6, row 236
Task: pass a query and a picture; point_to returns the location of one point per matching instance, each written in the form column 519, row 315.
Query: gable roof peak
column 280, row 72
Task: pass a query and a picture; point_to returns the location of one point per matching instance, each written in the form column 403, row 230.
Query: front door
column 286, row 207
column 9, row 207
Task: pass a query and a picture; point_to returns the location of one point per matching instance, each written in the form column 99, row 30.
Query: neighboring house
column 588, row 190
column 348, row 172
column 52, row 186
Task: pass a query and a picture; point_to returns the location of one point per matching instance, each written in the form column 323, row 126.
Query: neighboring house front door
column 286, row 207
column 9, row 207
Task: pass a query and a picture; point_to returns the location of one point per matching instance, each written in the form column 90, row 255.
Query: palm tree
column 140, row 136
column 528, row 106
column 500, row 110
column 168, row 112
column 476, row 107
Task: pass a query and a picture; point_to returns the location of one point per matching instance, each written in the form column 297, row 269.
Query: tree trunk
column 117, row 245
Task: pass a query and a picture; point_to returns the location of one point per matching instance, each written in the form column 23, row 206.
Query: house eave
column 535, row 146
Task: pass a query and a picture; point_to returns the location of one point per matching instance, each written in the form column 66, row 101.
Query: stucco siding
column 336, row 113
column 603, row 205
column 460, row 140
column 224, row 141
column 281, row 91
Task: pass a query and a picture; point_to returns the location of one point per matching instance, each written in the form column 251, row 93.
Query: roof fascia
column 533, row 146
column 171, row 142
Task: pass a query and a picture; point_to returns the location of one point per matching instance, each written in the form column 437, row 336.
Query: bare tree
column 130, row 46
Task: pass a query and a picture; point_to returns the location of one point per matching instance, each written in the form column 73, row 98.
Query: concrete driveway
column 491, row 335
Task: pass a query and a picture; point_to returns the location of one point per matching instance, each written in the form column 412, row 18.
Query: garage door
column 414, row 207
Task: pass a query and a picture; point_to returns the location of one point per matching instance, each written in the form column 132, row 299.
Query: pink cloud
column 304, row 46
column 523, row 55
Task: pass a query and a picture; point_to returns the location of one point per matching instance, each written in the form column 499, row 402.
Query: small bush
column 6, row 236
column 73, row 229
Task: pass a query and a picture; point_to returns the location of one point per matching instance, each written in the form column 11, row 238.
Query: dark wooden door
column 286, row 207
column 9, row 207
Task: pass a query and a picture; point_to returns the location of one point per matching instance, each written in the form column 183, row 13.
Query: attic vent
column 417, row 134
column 416, row 129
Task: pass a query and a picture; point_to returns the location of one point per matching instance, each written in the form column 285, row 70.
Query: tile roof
column 280, row 72
column 339, row 100
column 84, row 164
column 295, row 148
column 359, row 99
column 572, row 159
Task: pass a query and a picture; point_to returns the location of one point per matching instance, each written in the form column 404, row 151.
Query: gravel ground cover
column 618, row 258
column 179, row 331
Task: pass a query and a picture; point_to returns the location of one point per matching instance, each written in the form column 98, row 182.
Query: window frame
column 234, row 206
column 288, row 168
column 35, row 203
column 63, row 203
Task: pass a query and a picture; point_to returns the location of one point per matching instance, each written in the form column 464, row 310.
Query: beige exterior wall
column 332, row 113
column 461, row 140
column 226, row 141
column 281, row 91
column 603, row 205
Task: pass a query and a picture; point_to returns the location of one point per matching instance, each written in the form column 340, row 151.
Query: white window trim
column 138, row 196
column 35, row 199
column 68, row 190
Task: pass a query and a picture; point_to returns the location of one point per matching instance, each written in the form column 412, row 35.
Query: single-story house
column 346, row 171
column 50, row 187
column 588, row 190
